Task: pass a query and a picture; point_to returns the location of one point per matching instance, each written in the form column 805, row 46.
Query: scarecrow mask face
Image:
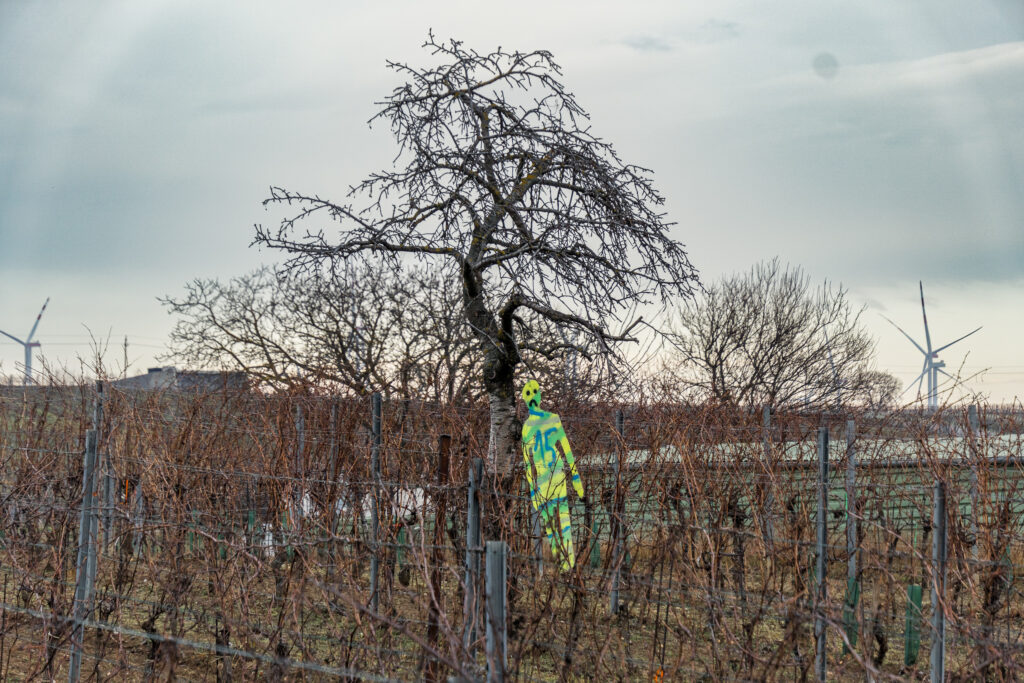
column 531, row 394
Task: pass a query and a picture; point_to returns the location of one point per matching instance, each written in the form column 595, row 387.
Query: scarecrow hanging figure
column 544, row 471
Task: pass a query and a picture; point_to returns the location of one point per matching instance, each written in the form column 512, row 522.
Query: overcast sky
column 875, row 143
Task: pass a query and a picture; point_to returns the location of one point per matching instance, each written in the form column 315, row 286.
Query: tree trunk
column 504, row 436
column 499, row 508
column 499, row 369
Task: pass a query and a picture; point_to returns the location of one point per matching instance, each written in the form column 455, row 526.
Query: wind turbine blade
column 946, row 373
column 908, row 337
column 12, row 337
column 29, row 338
column 927, row 334
column 956, row 340
column 917, row 379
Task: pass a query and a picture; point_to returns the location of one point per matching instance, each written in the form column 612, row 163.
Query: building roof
column 171, row 379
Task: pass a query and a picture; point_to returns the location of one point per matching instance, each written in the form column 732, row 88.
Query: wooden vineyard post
column 497, row 580
column 616, row 521
column 852, row 579
column 375, row 501
column 86, row 555
column 108, row 470
column 294, row 522
column 433, row 667
column 334, row 519
column 912, row 630
column 138, row 519
column 974, row 433
column 470, row 606
column 938, row 653
column 768, row 509
column 538, row 547
column 820, row 663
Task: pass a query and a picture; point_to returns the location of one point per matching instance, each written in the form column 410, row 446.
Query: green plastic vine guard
column 400, row 549
column 912, row 629
column 849, row 612
column 193, row 538
column 285, row 524
column 912, row 636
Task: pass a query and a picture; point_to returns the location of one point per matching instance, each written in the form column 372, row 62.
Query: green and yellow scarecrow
column 542, row 431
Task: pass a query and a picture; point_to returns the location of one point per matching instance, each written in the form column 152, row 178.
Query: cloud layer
column 137, row 139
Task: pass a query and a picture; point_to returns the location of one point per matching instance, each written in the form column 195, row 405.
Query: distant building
column 171, row 379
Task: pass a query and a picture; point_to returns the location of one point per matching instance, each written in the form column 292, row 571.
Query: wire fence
column 239, row 536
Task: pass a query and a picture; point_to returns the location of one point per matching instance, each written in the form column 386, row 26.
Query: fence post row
column 476, row 473
column 938, row 658
column 375, row 487
column 86, row 554
column 820, row 664
column 616, row 519
column 497, row 580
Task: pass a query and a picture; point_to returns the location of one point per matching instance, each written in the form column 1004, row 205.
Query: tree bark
column 503, row 432
column 504, row 427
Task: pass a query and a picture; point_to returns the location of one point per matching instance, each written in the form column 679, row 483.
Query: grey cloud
column 710, row 32
column 991, row 262
column 647, row 44
column 264, row 103
column 715, row 31
column 909, row 168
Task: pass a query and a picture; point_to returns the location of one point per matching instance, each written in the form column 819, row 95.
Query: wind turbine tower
column 29, row 344
column 932, row 365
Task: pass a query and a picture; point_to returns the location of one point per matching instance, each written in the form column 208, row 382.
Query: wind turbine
column 932, row 365
column 29, row 344
column 835, row 375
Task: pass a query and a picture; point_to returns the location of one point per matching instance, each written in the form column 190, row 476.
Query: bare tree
column 880, row 389
column 397, row 331
column 434, row 358
column 501, row 182
column 768, row 337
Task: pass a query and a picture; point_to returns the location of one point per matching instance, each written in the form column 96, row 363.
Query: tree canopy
column 360, row 329
column 768, row 337
column 500, row 182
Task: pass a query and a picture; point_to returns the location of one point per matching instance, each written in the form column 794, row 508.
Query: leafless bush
column 767, row 337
